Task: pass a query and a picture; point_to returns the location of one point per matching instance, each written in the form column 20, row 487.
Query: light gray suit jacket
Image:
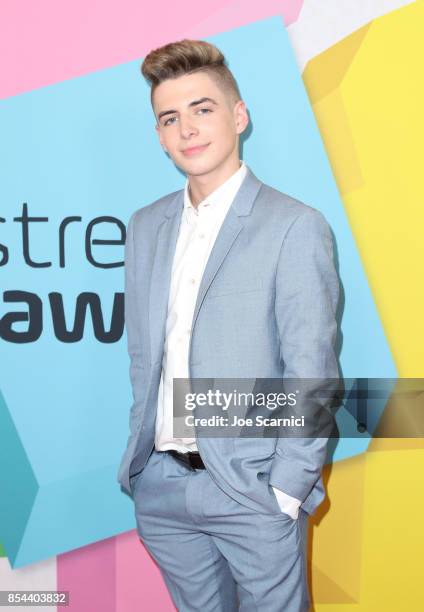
column 266, row 308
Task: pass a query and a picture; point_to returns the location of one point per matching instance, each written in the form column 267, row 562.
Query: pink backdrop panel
column 48, row 41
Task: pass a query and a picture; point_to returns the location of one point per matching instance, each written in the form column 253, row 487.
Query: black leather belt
column 191, row 460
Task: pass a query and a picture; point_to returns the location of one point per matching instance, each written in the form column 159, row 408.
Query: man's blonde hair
column 186, row 57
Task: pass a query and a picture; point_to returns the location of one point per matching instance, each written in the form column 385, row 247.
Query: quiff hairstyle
column 186, row 57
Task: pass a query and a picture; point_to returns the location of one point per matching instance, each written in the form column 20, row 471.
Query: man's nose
column 187, row 129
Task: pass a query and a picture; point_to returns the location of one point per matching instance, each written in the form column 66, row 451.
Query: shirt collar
column 226, row 191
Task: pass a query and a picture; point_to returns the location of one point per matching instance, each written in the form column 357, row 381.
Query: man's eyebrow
column 201, row 101
column 194, row 103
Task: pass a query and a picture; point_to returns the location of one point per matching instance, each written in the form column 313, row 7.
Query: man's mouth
column 194, row 150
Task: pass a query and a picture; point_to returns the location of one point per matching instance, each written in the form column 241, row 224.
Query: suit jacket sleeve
column 307, row 291
column 133, row 336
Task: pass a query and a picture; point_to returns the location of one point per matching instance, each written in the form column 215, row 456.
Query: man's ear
column 241, row 116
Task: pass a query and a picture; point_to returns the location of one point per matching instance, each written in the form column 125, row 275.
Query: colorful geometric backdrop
column 361, row 65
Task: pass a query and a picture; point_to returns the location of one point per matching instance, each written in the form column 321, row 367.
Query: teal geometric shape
column 18, row 484
column 28, row 506
column 87, row 147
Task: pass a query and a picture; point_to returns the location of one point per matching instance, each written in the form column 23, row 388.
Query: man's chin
column 196, row 167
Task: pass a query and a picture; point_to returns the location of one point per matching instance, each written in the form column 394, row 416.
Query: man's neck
column 203, row 185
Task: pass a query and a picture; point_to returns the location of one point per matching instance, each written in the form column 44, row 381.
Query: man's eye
column 207, row 110
column 167, row 121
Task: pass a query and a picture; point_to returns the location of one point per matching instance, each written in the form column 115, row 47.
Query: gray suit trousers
column 215, row 554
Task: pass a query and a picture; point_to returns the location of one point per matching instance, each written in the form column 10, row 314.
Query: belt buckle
column 183, row 458
column 189, row 459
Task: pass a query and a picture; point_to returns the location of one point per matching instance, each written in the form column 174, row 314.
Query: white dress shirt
column 197, row 234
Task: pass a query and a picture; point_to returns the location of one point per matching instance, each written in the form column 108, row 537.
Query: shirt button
column 201, row 235
column 192, row 281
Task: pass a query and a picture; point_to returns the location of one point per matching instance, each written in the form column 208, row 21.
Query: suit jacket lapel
column 230, row 229
column 166, row 240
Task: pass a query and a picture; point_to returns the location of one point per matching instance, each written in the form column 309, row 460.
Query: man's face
column 198, row 123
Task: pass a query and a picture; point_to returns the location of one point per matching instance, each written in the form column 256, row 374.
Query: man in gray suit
column 226, row 278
